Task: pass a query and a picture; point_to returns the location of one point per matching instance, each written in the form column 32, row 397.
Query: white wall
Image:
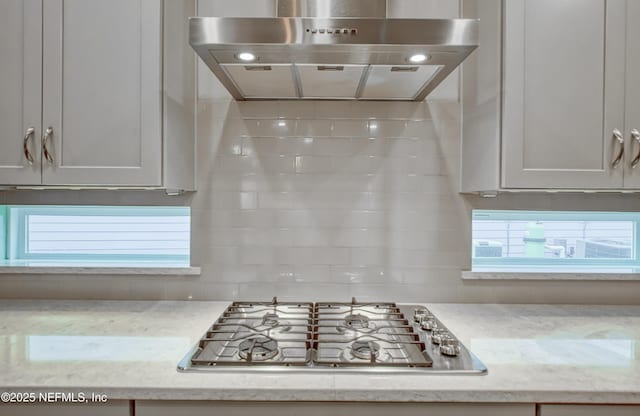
column 317, row 210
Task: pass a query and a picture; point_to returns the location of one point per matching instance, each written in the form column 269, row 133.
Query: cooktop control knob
column 419, row 313
column 449, row 346
column 438, row 334
column 428, row 323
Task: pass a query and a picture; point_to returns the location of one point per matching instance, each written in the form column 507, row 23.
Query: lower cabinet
column 111, row 408
column 195, row 408
column 215, row 408
column 588, row 410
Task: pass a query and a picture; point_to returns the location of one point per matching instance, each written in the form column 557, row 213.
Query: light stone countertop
column 129, row 350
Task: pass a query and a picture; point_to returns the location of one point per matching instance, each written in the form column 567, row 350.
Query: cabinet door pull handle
column 635, row 135
column 25, row 144
column 47, row 134
column 617, row 135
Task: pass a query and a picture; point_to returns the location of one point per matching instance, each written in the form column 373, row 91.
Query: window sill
column 551, row 276
column 36, row 268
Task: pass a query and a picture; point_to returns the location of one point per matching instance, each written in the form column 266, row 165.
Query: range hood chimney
column 332, row 50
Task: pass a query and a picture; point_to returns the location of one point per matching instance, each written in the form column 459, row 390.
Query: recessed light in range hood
column 334, row 58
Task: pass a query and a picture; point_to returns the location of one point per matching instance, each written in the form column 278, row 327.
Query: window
column 34, row 235
column 555, row 241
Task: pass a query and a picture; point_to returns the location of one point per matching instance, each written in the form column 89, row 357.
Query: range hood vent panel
column 331, row 57
column 259, row 83
column 398, row 82
column 319, row 82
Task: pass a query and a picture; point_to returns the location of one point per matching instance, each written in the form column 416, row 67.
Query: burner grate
column 338, row 337
column 258, row 333
column 366, row 334
column 311, row 334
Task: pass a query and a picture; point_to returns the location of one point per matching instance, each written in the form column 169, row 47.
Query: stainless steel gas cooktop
column 330, row 336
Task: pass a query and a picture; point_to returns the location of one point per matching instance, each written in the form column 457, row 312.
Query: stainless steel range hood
column 332, row 50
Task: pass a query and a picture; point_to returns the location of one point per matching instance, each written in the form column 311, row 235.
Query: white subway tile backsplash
column 293, row 218
column 361, row 237
column 375, row 109
column 361, row 219
column 272, row 127
column 328, row 182
column 247, row 236
column 228, row 164
column 300, row 237
column 292, row 274
column 388, row 128
column 199, row 291
column 276, row 200
column 232, row 274
column 407, row 111
column 289, row 291
column 236, row 127
column 313, row 255
column 420, row 129
column 314, row 164
column 313, row 128
column 334, row 110
column 323, row 200
column 296, row 109
column 305, row 200
column 258, row 255
column 362, row 274
column 350, row 128
column 218, row 255
column 275, row 163
column 328, row 146
column 230, row 181
column 386, row 147
column 266, row 146
column 203, row 219
column 358, row 164
column 227, row 200
column 375, row 256
column 257, row 109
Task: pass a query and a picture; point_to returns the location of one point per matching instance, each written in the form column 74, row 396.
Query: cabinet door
column 632, row 174
column 102, row 92
column 20, row 91
column 197, row 408
column 591, row 410
column 111, row 408
column 563, row 93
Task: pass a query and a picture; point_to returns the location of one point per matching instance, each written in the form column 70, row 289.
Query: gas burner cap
column 259, row 348
column 365, row 350
column 270, row 319
column 357, row 321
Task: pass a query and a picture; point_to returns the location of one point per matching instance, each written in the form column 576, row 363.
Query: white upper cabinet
column 102, row 98
column 563, row 93
column 632, row 92
column 109, row 90
column 20, row 91
column 560, row 89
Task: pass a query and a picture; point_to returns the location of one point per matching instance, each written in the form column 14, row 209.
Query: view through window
column 555, row 241
column 145, row 236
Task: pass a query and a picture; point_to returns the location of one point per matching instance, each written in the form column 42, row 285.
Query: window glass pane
column 3, row 233
column 553, row 240
column 90, row 233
